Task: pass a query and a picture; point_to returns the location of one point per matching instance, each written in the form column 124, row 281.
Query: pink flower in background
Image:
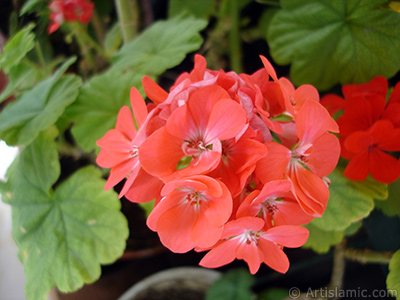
column 69, row 11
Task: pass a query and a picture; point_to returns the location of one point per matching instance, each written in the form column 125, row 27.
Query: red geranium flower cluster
column 69, row 11
column 369, row 129
column 236, row 163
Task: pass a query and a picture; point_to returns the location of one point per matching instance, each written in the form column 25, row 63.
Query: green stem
column 234, row 38
column 84, row 47
column 98, row 27
column 339, row 265
column 128, row 15
column 40, row 55
column 87, row 39
column 368, row 256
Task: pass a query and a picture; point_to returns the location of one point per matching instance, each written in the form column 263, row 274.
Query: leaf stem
column 128, row 15
column 43, row 64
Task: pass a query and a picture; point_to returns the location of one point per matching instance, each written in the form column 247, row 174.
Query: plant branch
column 336, row 282
column 368, row 256
column 128, row 15
column 98, row 27
column 339, row 266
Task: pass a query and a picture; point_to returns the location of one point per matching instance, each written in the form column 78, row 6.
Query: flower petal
column 176, row 236
column 312, row 121
column 138, row 107
column 274, row 257
column 145, row 188
column 358, row 167
column 325, row 154
column 290, row 236
column 155, row 93
column 160, row 153
column 275, row 164
column 125, row 123
column 227, row 120
column 220, row 255
column 384, row 167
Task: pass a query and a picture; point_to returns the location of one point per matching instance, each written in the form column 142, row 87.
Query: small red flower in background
column 69, row 11
column 369, row 129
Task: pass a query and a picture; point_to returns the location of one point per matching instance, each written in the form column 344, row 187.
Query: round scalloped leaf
column 321, row 240
column 96, row 109
column 355, row 40
column 347, row 204
column 160, row 47
column 391, row 206
column 63, row 236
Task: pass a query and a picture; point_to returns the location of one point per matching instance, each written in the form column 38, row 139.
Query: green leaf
column 199, row 9
column 17, row 47
column 391, row 207
column 393, row 279
column 346, row 205
column 43, row 152
column 160, row 47
column 96, row 109
column 320, row 240
column 329, row 42
column 232, row 285
column 38, row 108
column 28, row 6
column 372, row 188
column 21, row 77
column 147, row 207
column 64, row 236
column 353, row 228
column 113, row 39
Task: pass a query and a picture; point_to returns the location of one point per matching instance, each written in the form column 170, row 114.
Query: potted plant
column 183, row 110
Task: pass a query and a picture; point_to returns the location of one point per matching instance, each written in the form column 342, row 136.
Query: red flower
column 368, row 153
column 190, row 208
column 193, row 133
column 246, row 239
column 235, row 162
column 70, row 11
column 276, row 204
column 369, row 129
column 119, row 146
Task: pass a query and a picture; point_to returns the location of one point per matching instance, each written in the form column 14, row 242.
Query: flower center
column 134, row 151
column 269, row 207
column 194, row 148
column 251, row 236
column 194, row 199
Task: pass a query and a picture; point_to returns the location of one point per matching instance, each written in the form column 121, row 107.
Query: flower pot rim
column 206, row 276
